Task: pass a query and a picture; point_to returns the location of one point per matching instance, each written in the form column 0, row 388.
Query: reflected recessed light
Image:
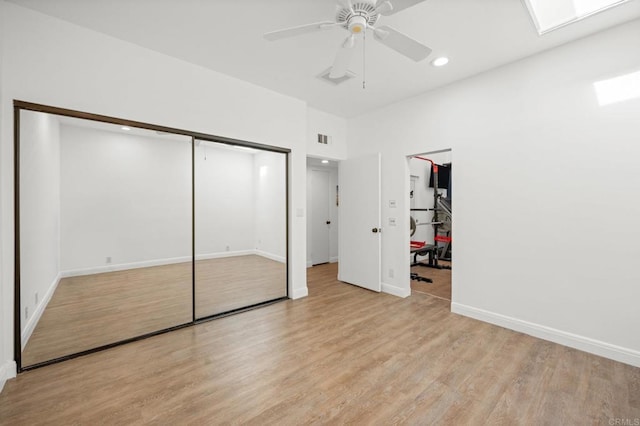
column 441, row 61
column 325, row 161
column 125, row 128
column 245, row 148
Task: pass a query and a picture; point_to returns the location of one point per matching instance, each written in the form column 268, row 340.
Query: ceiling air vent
column 324, row 76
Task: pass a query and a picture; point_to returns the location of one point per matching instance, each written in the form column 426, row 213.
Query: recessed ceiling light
column 439, row 62
column 325, row 161
column 125, row 128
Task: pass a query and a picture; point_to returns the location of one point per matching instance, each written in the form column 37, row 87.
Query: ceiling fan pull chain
column 364, row 60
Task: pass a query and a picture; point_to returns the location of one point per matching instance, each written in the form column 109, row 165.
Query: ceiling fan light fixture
column 357, row 24
column 440, row 62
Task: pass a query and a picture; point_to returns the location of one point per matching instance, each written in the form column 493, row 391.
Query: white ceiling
column 226, row 36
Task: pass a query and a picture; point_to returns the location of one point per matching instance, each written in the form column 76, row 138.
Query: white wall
column 7, row 367
column 126, row 200
column 225, row 200
column 270, row 201
column 40, row 215
column 326, row 124
column 49, row 61
column 336, row 127
column 535, row 250
column 126, row 197
column 334, row 181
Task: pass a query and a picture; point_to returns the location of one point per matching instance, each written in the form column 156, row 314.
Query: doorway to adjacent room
column 431, row 222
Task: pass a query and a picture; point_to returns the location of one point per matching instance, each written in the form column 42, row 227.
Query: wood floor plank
column 343, row 355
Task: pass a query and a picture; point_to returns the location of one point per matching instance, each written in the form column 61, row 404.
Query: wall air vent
column 324, row 139
column 324, row 76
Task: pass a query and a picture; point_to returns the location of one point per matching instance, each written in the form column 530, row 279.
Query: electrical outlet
column 108, row 259
column 26, row 312
column 393, row 204
column 36, row 298
column 392, row 221
column 391, row 273
column 227, row 248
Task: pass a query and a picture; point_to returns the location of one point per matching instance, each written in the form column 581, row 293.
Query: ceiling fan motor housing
column 356, row 21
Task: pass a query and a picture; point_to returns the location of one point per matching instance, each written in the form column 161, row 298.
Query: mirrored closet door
column 105, row 234
column 241, row 227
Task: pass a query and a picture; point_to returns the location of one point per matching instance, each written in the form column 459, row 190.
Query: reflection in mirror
column 105, row 234
column 240, row 215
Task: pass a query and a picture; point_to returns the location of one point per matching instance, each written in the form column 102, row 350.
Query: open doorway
column 431, row 220
column 322, row 208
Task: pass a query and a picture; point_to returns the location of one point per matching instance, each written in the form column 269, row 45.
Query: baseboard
column 7, row 371
column 299, row 293
column 333, row 259
column 30, row 326
column 155, row 262
column 395, row 290
column 123, row 266
column 586, row 344
column 223, row 254
column 271, row 256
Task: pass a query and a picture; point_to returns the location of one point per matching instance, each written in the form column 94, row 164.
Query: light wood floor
column 441, row 285
column 94, row 310
column 341, row 355
column 230, row 283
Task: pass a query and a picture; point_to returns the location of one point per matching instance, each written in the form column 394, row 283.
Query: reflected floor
column 89, row 311
column 230, row 283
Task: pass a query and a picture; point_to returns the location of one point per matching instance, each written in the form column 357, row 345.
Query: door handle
column 328, row 222
column 376, row 230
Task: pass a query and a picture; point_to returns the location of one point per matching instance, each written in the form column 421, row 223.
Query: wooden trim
column 287, row 207
column 193, row 230
column 104, row 347
column 131, row 123
column 17, row 335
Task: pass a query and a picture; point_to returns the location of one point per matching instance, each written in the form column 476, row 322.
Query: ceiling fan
column 357, row 17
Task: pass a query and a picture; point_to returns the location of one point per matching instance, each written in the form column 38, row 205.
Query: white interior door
column 320, row 216
column 359, row 214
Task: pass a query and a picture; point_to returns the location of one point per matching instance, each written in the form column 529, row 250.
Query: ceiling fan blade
column 396, row 6
column 302, row 29
column 383, row 8
column 346, row 4
column 343, row 58
column 402, row 43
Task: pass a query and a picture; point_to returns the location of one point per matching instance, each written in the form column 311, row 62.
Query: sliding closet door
column 240, row 227
column 105, row 234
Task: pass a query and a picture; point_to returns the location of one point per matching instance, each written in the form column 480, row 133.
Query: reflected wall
column 240, row 236
column 105, row 234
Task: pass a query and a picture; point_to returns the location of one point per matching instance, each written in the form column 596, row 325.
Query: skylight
column 549, row 15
